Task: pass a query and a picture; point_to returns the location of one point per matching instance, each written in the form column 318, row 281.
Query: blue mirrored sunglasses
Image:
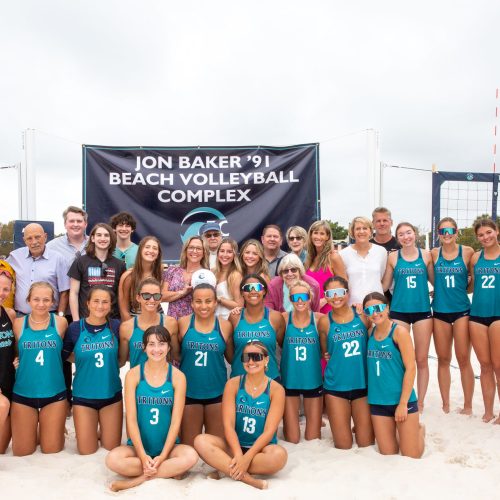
column 377, row 308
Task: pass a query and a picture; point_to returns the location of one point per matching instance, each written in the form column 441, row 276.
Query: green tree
column 7, row 238
column 338, row 232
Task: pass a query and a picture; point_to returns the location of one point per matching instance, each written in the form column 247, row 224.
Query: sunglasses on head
column 335, row 292
column 252, row 287
column 447, row 230
column 5, row 273
column 147, row 295
column 290, row 270
column 377, row 308
column 295, row 297
column 254, row 356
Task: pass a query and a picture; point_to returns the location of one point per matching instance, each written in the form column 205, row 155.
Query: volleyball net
column 463, row 196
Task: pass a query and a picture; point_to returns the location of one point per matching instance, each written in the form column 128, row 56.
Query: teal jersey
column 385, row 371
column 346, row 343
column 251, row 414
column 411, row 290
column 301, row 356
column 154, row 412
column 486, row 298
column 97, row 374
column 202, row 361
column 135, row 348
column 450, row 284
column 128, row 255
column 40, row 372
column 245, row 332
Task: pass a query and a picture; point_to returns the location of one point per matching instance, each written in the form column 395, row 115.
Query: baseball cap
column 209, row 226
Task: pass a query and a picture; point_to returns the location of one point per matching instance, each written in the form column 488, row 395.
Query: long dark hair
column 137, row 274
column 90, row 248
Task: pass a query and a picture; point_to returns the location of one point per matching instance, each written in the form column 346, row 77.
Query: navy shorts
column 486, row 321
column 349, row 395
column 97, row 404
column 450, row 317
column 410, row 318
column 38, row 403
column 390, row 410
column 204, row 402
column 306, row 393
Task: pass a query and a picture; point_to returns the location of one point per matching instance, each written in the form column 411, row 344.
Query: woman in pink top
column 322, row 261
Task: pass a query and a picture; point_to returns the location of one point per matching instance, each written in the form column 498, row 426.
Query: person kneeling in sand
column 391, row 373
column 155, row 392
column 252, row 408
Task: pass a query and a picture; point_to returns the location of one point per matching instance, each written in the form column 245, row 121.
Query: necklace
column 39, row 322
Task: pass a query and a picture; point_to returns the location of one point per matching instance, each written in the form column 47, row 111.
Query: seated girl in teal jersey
column 92, row 344
column 204, row 339
column 256, row 322
column 154, row 402
column 252, row 408
column 411, row 269
column 132, row 331
column 38, row 411
column 485, row 311
column 451, row 308
column 391, row 373
column 301, row 365
column 344, row 336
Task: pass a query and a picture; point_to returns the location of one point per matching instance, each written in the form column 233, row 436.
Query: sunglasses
column 253, row 287
column 377, row 308
column 295, row 238
column 254, row 356
column 447, row 230
column 104, row 268
column 335, row 292
column 6, row 273
column 290, row 270
column 295, row 297
column 147, row 295
column 212, row 235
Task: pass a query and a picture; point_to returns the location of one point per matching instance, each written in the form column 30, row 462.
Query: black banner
column 171, row 192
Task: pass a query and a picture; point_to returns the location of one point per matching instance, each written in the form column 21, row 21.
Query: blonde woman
column 323, row 261
column 229, row 275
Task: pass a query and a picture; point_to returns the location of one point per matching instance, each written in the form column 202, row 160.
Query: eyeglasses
column 295, row 238
column 253, row 287
column 212, row 235
column 147, row 295
column 104, row 268
column 295, row 297
column 335, row 292
column 290, row 270
column 377, row 308
column 254, row 356
column 447, row 230
column 195, row 249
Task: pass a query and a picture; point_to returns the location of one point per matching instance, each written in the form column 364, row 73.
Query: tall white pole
column 373, row 167
column 27, row 178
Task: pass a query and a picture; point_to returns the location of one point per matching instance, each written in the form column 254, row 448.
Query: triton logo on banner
column 194, row 228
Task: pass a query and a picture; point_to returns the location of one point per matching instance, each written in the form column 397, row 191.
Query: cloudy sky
column 164, row 73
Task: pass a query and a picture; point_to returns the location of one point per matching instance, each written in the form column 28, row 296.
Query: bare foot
column 260, row 484
column 180, row 476
column 214, row 475
column 465, row 411
column 497, row 421
column 125, row 484
column 446, row 408
column 487, row 417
